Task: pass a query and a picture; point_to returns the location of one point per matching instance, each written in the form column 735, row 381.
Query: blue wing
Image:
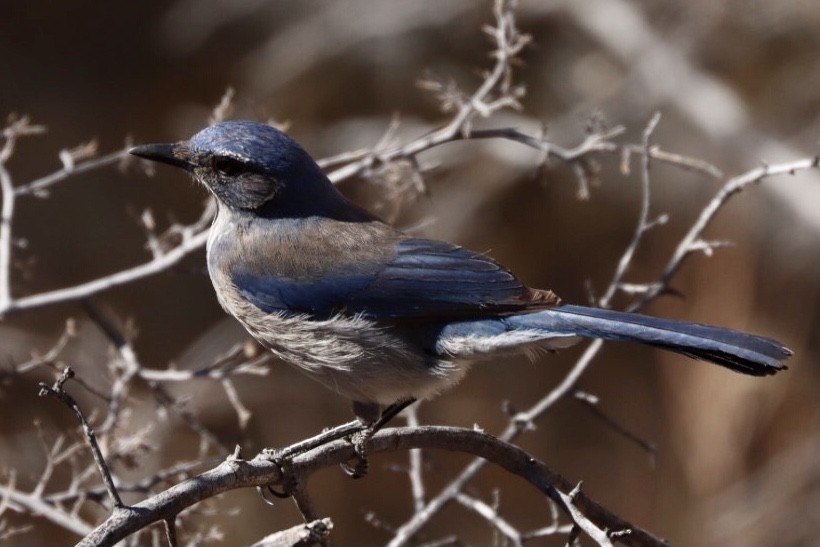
column 423, row 279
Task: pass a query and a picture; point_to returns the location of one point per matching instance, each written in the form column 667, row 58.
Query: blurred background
column 738, row 459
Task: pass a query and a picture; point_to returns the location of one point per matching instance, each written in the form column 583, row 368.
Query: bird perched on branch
column 374, row 314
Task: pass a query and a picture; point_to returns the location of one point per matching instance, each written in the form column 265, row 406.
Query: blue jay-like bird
column 370, row 312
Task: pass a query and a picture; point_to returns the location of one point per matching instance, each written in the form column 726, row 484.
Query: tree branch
column 263, row 471
column 191, row 242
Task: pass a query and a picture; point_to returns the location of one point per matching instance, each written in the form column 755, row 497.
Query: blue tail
column 739, row 351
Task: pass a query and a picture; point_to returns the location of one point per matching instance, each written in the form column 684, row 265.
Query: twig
column 37, row 506
column 679, row 160
column 325, row 437
column 171, row 530
column 416, row 462
column 57, row 391
column 224, row 108
column 489, row 514
column 6, row 215
column 122, row 382
column 190, row 243
column 10, row 133
column 165, row 400
column 68, row 334
column 142, row 486
column 692, row 241
column 643, row 219
column 598, row 535
column 303, row 535
column 590, row 402
column 39, row 186
column 509, row 43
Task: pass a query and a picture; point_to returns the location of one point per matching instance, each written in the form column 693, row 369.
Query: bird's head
column 248, row 166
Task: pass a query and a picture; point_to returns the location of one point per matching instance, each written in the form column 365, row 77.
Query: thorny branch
column 58, row 392
column 693, row 241
column 262, row 470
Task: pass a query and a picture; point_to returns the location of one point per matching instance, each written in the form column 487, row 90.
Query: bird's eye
column 227, row 166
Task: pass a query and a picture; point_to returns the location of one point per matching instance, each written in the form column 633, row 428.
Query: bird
column 381, row 317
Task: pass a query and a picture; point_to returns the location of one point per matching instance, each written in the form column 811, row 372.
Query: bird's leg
column 282, row 457
column 391, row 412
column 370, row 416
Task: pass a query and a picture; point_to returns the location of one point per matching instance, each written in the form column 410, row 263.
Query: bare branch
column 35, row 505
column 591, row 403
column 57, row 391
column 491, row 516
column 14, row 130
column 191, row 241
column 597, row 534
column 693, row 241
column 225, row 107
column 416, row 462
column 309, row 533
column 262, row 470
column 39, row 187
column 643, row 219
column 482, row 102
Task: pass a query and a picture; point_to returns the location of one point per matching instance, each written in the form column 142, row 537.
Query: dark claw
column 359, row 441
column 369, row 414
column 357, row 471
column 281, row 494
column 288, row 487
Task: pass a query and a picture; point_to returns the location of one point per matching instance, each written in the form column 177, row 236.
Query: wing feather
column 425, row 279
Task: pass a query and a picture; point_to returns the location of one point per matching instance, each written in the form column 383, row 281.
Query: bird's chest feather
column 275, row 279
column 296, row 266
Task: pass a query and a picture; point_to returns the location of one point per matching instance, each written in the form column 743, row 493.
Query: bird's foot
column 373, row 419
column 359, row 441
column 289, row 483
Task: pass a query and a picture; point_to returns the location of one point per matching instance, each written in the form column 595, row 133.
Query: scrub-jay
column 370, row 312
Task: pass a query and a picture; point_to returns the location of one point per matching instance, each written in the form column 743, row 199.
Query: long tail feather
column 739, row 351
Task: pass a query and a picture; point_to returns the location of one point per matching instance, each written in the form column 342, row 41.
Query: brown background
column 737, row 83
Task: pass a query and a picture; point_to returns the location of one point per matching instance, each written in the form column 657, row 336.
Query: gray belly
column 351, row 355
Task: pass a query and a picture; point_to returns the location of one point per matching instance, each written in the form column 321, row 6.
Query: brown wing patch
column 541, row 298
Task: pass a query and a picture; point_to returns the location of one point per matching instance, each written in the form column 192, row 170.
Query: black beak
column 177, row 154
